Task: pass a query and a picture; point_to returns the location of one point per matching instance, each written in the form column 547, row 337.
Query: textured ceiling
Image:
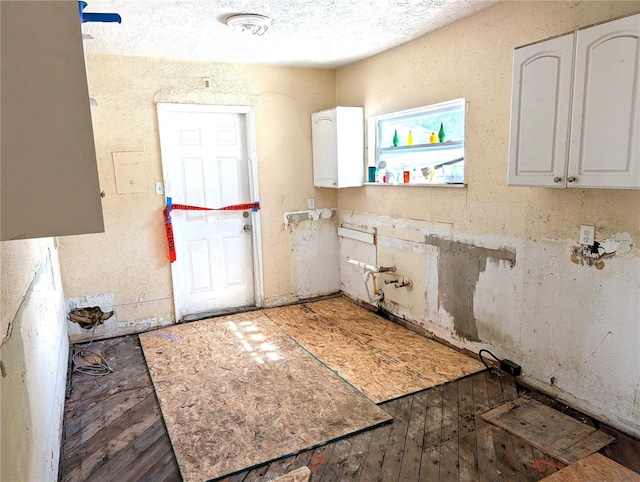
column 309, row 33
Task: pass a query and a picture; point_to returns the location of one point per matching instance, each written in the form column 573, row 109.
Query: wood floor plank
column 94, row 421
column 480, row 394
column 509, row 390
column 545, row 464
column 279, row 467
column 430, row 465
column 375, row 455
column 624, row 450
column 467, row 453
column 256, row 474
column 494, row 389
column 449, row 448
column 488, row 465
column 318, row 461
column 557, row 434
column 354, row 463
column 138, row 464
column 523, row 456
column 504, row 452
column 412, row 456
column 335, row 464
column 395, row 445
column 129, row 373
column 108, row 441
column 110, row 404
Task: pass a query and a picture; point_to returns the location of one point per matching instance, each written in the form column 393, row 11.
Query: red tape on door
column 168, row 225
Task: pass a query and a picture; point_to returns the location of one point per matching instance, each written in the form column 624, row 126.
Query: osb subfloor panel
column 436, row 435
column 380, row 358
column 559, row 435
column 236, row 392
column 594, row 468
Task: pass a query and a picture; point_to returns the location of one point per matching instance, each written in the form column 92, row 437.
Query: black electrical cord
column 98, row 367
column 484, row 362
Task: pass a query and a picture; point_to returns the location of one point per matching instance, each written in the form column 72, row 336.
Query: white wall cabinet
column 49, row 173
column 337, row 137
column 575, row 112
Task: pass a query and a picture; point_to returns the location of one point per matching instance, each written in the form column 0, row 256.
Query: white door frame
column 164, row 108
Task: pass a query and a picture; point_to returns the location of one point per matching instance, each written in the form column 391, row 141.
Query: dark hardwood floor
column 113, row 431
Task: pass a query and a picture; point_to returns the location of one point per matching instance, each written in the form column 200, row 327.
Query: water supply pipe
column 370, row 268
column 369, row 272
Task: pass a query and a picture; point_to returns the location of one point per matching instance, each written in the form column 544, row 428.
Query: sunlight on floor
column 245, row 331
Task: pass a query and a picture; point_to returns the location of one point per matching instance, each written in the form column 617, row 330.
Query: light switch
column 159, row 187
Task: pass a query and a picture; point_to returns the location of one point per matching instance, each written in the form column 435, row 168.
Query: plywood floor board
column 382, row 359
column 553, row 432
column 237, row 392
column 594, row 468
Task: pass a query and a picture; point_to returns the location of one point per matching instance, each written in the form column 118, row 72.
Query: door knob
column 557, row 179
column 571, row 179
column 247, row 227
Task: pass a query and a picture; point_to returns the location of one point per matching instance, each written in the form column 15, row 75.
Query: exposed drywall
column 352, row 281
column 130, row 259
column 314, row 255
column 33, row 358
column 559, row 319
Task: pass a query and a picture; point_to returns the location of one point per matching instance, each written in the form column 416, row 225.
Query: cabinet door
column 605, row 150
column 49, row 172
column 324, row 141
column 540, row 106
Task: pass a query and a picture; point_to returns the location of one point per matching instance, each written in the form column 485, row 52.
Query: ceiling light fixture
column 246, row 22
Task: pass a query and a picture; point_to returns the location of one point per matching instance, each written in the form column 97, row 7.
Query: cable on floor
column 89, row 362
column 483, row 360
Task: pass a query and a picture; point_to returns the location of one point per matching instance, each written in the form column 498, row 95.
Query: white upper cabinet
column 337, row 137
column 49, row 172
column 605, row 121
column 541, row 101
column 575, row 109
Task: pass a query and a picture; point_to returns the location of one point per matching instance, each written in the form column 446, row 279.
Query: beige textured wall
column 472, row 58
column 491, row 264
column 33, row 353
column 128, row 263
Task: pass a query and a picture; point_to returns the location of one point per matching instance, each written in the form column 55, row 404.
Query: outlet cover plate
column 587, row 235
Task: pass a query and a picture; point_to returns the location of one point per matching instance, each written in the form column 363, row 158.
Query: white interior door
column 205, row 163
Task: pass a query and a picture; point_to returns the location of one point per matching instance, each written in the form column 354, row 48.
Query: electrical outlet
column 159, row 187
column 206, row 82
column 587, row 235
column 311, row 203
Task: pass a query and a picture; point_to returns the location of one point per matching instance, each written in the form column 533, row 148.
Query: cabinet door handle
column 571, row 179
column 335, row 183
column 557, row 179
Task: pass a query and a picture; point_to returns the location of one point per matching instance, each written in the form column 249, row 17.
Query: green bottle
column 395, row 138
column 441, row 133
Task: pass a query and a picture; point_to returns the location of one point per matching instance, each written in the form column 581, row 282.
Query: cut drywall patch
column 459, row 268
column 131, row 173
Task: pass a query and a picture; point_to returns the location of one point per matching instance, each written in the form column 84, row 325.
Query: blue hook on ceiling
column 97, row 17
